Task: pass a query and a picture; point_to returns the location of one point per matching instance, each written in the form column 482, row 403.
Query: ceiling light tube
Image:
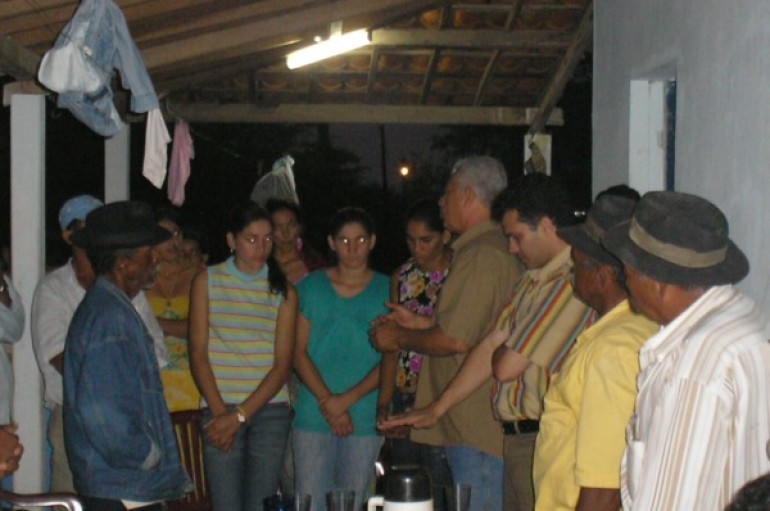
column 329, row 48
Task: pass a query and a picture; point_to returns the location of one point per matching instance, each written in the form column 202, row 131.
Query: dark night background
column 229, row 158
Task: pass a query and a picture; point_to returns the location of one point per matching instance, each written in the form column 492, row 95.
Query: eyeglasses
column 251, row 240
column 359, row 240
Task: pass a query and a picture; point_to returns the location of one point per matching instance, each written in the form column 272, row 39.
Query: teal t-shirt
column 339, row 347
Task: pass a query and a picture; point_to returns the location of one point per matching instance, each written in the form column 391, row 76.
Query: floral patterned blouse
column 417, row 291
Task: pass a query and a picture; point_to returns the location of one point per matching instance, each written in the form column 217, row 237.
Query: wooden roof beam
column 554, row 90
column 513, row 13
column 194, row 46
column 481, row 39
column 347, row 113
column 17, row 60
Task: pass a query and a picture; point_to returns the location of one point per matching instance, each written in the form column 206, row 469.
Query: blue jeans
column 240, row 479
column 324, row 462
column 482, row 471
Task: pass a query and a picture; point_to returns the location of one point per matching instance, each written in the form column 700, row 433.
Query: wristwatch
column 241, row 416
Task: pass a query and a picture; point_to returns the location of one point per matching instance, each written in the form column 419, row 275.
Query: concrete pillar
column 117, row 166
column 28, row 260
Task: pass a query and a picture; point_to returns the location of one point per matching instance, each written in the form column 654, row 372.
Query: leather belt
column 520, row 427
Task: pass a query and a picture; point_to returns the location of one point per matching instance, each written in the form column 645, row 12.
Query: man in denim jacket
column 118, row 432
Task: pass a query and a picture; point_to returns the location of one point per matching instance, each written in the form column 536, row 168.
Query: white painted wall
column 719, row 52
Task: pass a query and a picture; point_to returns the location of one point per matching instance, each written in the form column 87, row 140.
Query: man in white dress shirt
column 54, row 303
column 702, row 422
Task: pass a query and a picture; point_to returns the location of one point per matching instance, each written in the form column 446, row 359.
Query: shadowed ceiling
column 475, row 62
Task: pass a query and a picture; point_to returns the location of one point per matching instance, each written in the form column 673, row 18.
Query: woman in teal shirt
column 335, row 440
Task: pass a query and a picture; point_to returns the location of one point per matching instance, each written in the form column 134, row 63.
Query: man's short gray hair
column 486, row 175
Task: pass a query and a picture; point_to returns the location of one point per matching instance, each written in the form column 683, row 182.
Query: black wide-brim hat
column 679, row 239
column 126, row 224
column 607, row 212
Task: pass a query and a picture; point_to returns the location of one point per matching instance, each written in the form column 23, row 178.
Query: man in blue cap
column 57, row 296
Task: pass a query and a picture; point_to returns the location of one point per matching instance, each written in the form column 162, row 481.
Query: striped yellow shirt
column 242, row 322
column 543, row 319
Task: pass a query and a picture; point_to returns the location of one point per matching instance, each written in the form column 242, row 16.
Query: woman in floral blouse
column 415, row 285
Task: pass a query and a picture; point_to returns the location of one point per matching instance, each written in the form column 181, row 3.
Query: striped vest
column 242, row 322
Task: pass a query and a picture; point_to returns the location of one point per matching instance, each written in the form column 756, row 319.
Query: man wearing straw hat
column 117, row 429
column 702, row 422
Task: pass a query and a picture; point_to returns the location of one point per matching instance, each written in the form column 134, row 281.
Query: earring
column 232, row 251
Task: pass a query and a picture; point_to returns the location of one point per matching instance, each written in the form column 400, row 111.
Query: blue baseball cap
column 77, row 208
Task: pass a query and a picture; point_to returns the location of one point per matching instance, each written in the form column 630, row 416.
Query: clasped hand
column 220, row 430
column 334, row 409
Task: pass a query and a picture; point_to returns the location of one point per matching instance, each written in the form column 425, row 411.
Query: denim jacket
column 79, row 67
column 117, row 428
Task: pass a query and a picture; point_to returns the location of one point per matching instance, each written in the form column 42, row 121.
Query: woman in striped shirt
column 242, row 323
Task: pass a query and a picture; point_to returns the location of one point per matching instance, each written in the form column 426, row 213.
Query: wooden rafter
column 463, row 38
column 217, row 40
column 376, row 114
column 16, row 60
column 582, row 40
column 433, row 61
column 512, row 15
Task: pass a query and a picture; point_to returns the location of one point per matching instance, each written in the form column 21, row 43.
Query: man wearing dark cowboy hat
column 591, row 399
column 118, row 432
column 702, row 422
column 56, row 297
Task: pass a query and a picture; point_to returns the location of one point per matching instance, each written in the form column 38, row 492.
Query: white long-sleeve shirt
column 702, row 424
column 57, row 296
column 11, row 329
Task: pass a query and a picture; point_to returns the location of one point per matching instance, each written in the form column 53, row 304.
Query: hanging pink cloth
column 182, row 152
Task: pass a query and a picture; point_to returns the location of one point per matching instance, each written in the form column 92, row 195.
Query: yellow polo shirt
column 587, row 407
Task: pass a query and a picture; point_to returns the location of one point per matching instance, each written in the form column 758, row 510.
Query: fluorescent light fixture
column 335, row 45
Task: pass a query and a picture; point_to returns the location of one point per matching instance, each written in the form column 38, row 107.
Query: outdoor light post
column 405, row 171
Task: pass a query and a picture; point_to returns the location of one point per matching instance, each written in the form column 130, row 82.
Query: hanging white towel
column 156, row 140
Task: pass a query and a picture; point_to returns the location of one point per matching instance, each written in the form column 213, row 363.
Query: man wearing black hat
column 118, row 432
column 591, row 399
column 702, row 423
column 56, row 298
